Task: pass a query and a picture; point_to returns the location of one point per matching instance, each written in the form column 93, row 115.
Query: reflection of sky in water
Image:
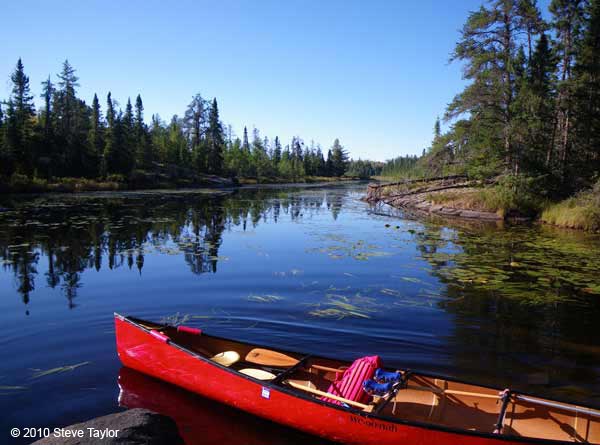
column 328, row 277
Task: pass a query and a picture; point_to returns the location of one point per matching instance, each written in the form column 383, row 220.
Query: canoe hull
column 139, row 350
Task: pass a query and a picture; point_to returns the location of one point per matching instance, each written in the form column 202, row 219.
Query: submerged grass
column 264, row 298
column 58, row 370
column 339, row 307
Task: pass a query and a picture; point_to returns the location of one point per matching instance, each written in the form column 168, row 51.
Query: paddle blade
column 270, row 358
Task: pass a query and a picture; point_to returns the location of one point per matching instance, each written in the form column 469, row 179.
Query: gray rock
column 135, row 426
column 449, row 211
column 479, row 215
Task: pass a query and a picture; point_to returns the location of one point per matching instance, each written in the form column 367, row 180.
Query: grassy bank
column 579, row 212
column 498, row 199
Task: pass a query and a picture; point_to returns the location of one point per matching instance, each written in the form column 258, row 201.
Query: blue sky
column 373, row 73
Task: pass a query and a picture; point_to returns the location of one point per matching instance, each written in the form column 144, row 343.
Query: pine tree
column 437, row 129
column 216, row 140
column 195, row 120
column 488, row 49
column 540, row 102
column 195, row 125
column 567, row 17
column 531, row 20
column 587, row 70
column 178, row 152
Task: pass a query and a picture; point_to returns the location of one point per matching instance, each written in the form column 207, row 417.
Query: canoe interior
column 425, row 399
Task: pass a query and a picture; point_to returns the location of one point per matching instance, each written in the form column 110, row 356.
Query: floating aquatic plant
column 264, row 298
column 340, row 307
column 517, row 263
column 175, row 319
column 58, row 370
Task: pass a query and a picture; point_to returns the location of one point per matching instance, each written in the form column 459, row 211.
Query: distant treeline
column 402, row 166
column 531, row 110
column 68, row 138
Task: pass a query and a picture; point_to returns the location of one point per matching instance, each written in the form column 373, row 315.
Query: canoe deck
column 425, row 400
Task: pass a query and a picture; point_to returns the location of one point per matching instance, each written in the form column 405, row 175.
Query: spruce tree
column 127, row 150
column 245, row 143
column 47, row 94
column 339, row 158
column 216, row 140
column 67, row 83
column 109, row 158
column 142, row 143
column 95, row 139
column 71, row 134
column 276, row 151
column 21, row 113
column 4, row 156
column 329, row 170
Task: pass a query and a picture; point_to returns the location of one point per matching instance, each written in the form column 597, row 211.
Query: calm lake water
column 312, row 269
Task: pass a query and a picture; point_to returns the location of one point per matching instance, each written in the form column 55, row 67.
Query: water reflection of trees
column 517, row 330
column 76, row 233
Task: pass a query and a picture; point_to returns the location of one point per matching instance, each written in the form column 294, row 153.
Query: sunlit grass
column 580, row 212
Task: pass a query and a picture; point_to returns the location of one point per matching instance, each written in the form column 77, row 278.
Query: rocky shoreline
column 419, row 195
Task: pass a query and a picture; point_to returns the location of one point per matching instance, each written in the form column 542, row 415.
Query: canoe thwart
column 296, row 385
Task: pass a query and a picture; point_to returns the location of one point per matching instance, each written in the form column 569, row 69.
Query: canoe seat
column 226, row 358
column 258, row 373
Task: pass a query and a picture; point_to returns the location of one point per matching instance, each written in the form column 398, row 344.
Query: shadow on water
column 200, row 420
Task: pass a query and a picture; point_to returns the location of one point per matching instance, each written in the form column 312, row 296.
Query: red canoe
column 291, row 389
column 201, row 420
